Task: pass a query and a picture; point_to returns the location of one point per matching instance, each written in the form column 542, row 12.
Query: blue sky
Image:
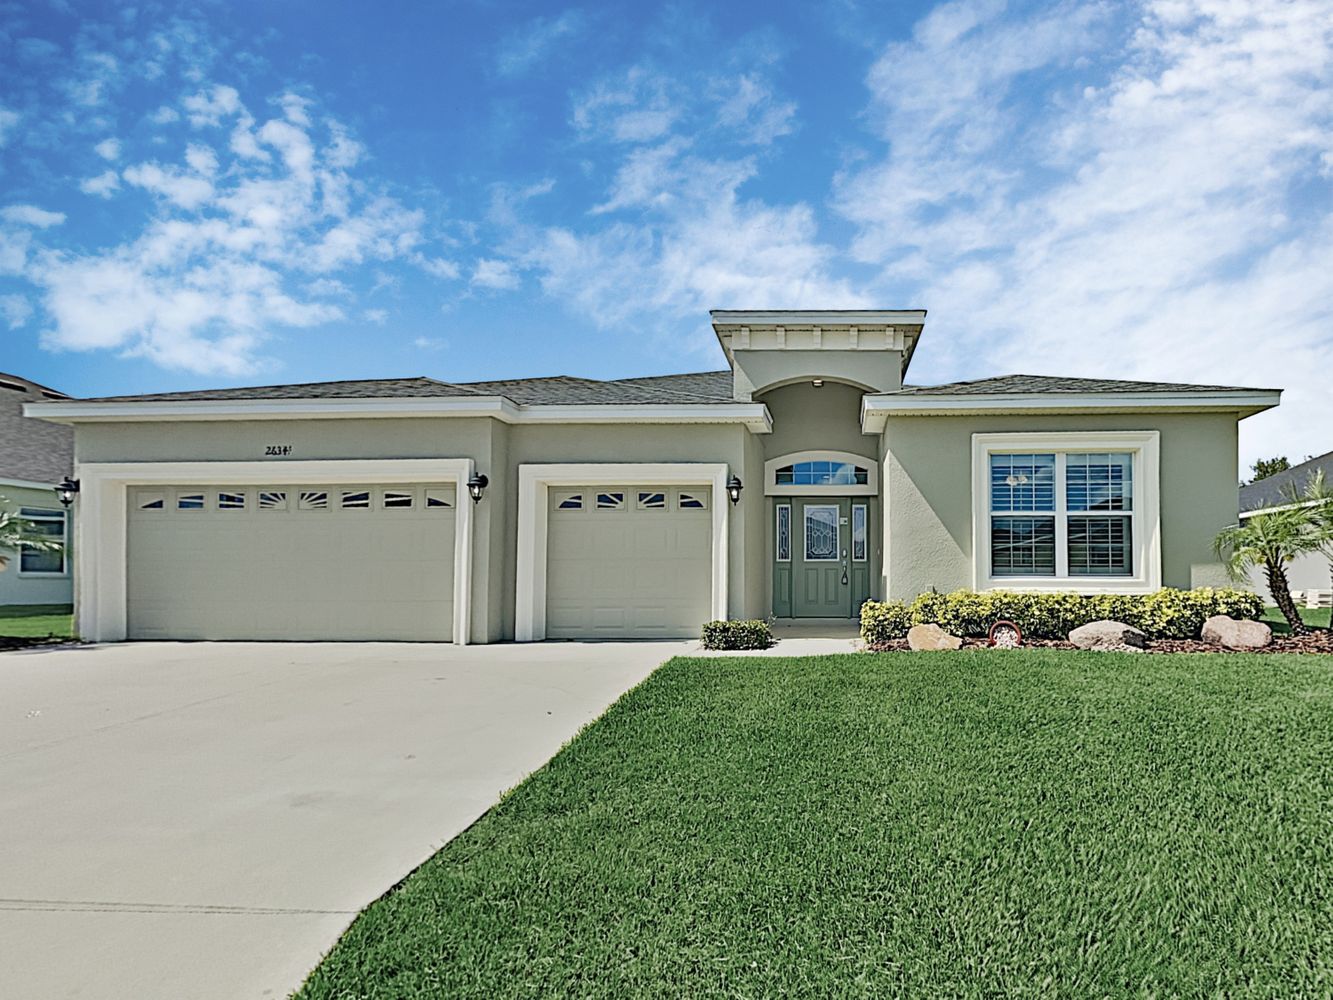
column 216, row 194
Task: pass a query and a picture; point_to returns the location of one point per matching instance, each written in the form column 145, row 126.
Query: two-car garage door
column 632, row 562
column 282, row 561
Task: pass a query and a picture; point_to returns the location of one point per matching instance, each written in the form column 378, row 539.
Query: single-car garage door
column 312, row 561
column 628, row 562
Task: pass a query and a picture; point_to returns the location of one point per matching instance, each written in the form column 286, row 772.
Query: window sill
column 1070, row 584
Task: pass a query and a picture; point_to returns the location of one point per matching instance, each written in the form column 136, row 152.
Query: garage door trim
column 100, row 529
column 534, row 482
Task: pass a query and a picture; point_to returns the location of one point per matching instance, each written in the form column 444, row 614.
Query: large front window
column 1062, row 514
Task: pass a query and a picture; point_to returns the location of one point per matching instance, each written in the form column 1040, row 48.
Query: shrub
column 752, row 634
column 1163, row 614
column 883, row 621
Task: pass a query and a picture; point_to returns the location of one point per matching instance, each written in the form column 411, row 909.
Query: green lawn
column 36, row 620
column 1317, row 617
column 974, row 823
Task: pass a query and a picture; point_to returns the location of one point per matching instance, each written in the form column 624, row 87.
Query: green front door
column 821, row 563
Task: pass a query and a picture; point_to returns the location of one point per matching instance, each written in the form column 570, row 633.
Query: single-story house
column 801, row 480
column 34, row 457
column 1310, row 576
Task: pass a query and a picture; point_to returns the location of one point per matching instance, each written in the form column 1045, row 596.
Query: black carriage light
column 734, row 487
column 67, row 490
column 476, row 486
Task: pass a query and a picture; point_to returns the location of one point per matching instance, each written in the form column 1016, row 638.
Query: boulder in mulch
column 1236, row 633
column 923, row 638
column 1108, row 636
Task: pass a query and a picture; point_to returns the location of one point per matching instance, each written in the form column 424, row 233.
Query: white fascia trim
column 1146, row 447
column 753, row 415
column 876, row 409
column 100, row 529
column 818, row 317
column 26, row 484
column 533, row 518
column 870, row 489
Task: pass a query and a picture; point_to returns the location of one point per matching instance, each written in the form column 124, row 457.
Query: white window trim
column 534, row 482
column 64, row 549
column 1145, row 447
column 100, row 522
column 870, row 489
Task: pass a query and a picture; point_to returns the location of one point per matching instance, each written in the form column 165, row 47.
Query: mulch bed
column 1317, row 641
column 8, row 642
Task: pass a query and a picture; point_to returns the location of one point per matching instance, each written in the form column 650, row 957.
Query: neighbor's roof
column 31, row 450
column 700, row 387
column 1274, row 491
column 1016, row 384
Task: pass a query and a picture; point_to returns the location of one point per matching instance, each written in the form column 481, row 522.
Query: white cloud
column 237, row 247
column 429, row 343
column 102, row 186
column 527, row 46
column 494, row 274
column 211, row 106
column 438, row 267
column 752, row 114
column 636, row 108
column 15, row 309
column 31, row 215
column 175, row 185
column 108, row 149
column 164, row 115
column 8, row 119
column 1152, row 221
column 376, row 316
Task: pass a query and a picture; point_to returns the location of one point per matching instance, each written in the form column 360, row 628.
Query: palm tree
column 1316, row 499
column 1270, row 540
column 16, row 530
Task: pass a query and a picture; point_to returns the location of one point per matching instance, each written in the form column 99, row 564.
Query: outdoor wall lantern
column 476, row 486
column 734, row 487
column 67, row 490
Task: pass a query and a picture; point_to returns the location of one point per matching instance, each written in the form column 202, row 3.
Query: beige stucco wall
column 873, row 371
column 809, row 419
column 928, row 489
column 16, row 589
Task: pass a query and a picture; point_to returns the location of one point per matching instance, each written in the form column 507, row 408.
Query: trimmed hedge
column 1163, row 614
column 737, row 635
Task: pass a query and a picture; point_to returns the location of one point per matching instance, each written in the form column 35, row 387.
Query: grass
column 30, row 621
column 1314, row 617
column 963, row 824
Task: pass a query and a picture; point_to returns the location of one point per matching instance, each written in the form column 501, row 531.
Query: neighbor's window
column 822, row 474
column 51, row 524
column 1061, row 514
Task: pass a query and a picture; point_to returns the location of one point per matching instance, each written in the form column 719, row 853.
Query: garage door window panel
column 312, row 500
column 356, row 499
column 190, row 501
column 611, row 501
column 272, row 500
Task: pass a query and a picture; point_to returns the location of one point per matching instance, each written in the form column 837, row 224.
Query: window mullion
column 1061, row 519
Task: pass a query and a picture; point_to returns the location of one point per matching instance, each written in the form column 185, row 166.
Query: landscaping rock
column 1108, row 636
column 1236, row 634
column 923, row 638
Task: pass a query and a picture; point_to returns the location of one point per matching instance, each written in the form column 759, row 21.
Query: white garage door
column 628, row 562
column 320, row 562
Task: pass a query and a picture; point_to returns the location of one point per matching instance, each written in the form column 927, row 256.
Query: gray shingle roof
column 699, row 388
column 1272, row 492
column 31, row 450
column 1002, row 384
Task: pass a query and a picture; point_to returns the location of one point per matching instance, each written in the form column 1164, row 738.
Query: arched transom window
column 821, row 472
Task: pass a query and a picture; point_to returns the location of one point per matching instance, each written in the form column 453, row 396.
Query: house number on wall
column 277, row 449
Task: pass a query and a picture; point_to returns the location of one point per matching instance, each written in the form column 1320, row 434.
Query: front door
column 821, row 568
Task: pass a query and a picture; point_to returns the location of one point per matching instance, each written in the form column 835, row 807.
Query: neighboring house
column 1310, row 576
column 341, row 510
column 34, row 456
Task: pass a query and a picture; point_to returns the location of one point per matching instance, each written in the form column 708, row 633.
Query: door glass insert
column 784, row 532
column 821, row 533
column 859, row 532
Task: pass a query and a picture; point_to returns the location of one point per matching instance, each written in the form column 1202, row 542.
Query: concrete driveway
column 204, row 819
